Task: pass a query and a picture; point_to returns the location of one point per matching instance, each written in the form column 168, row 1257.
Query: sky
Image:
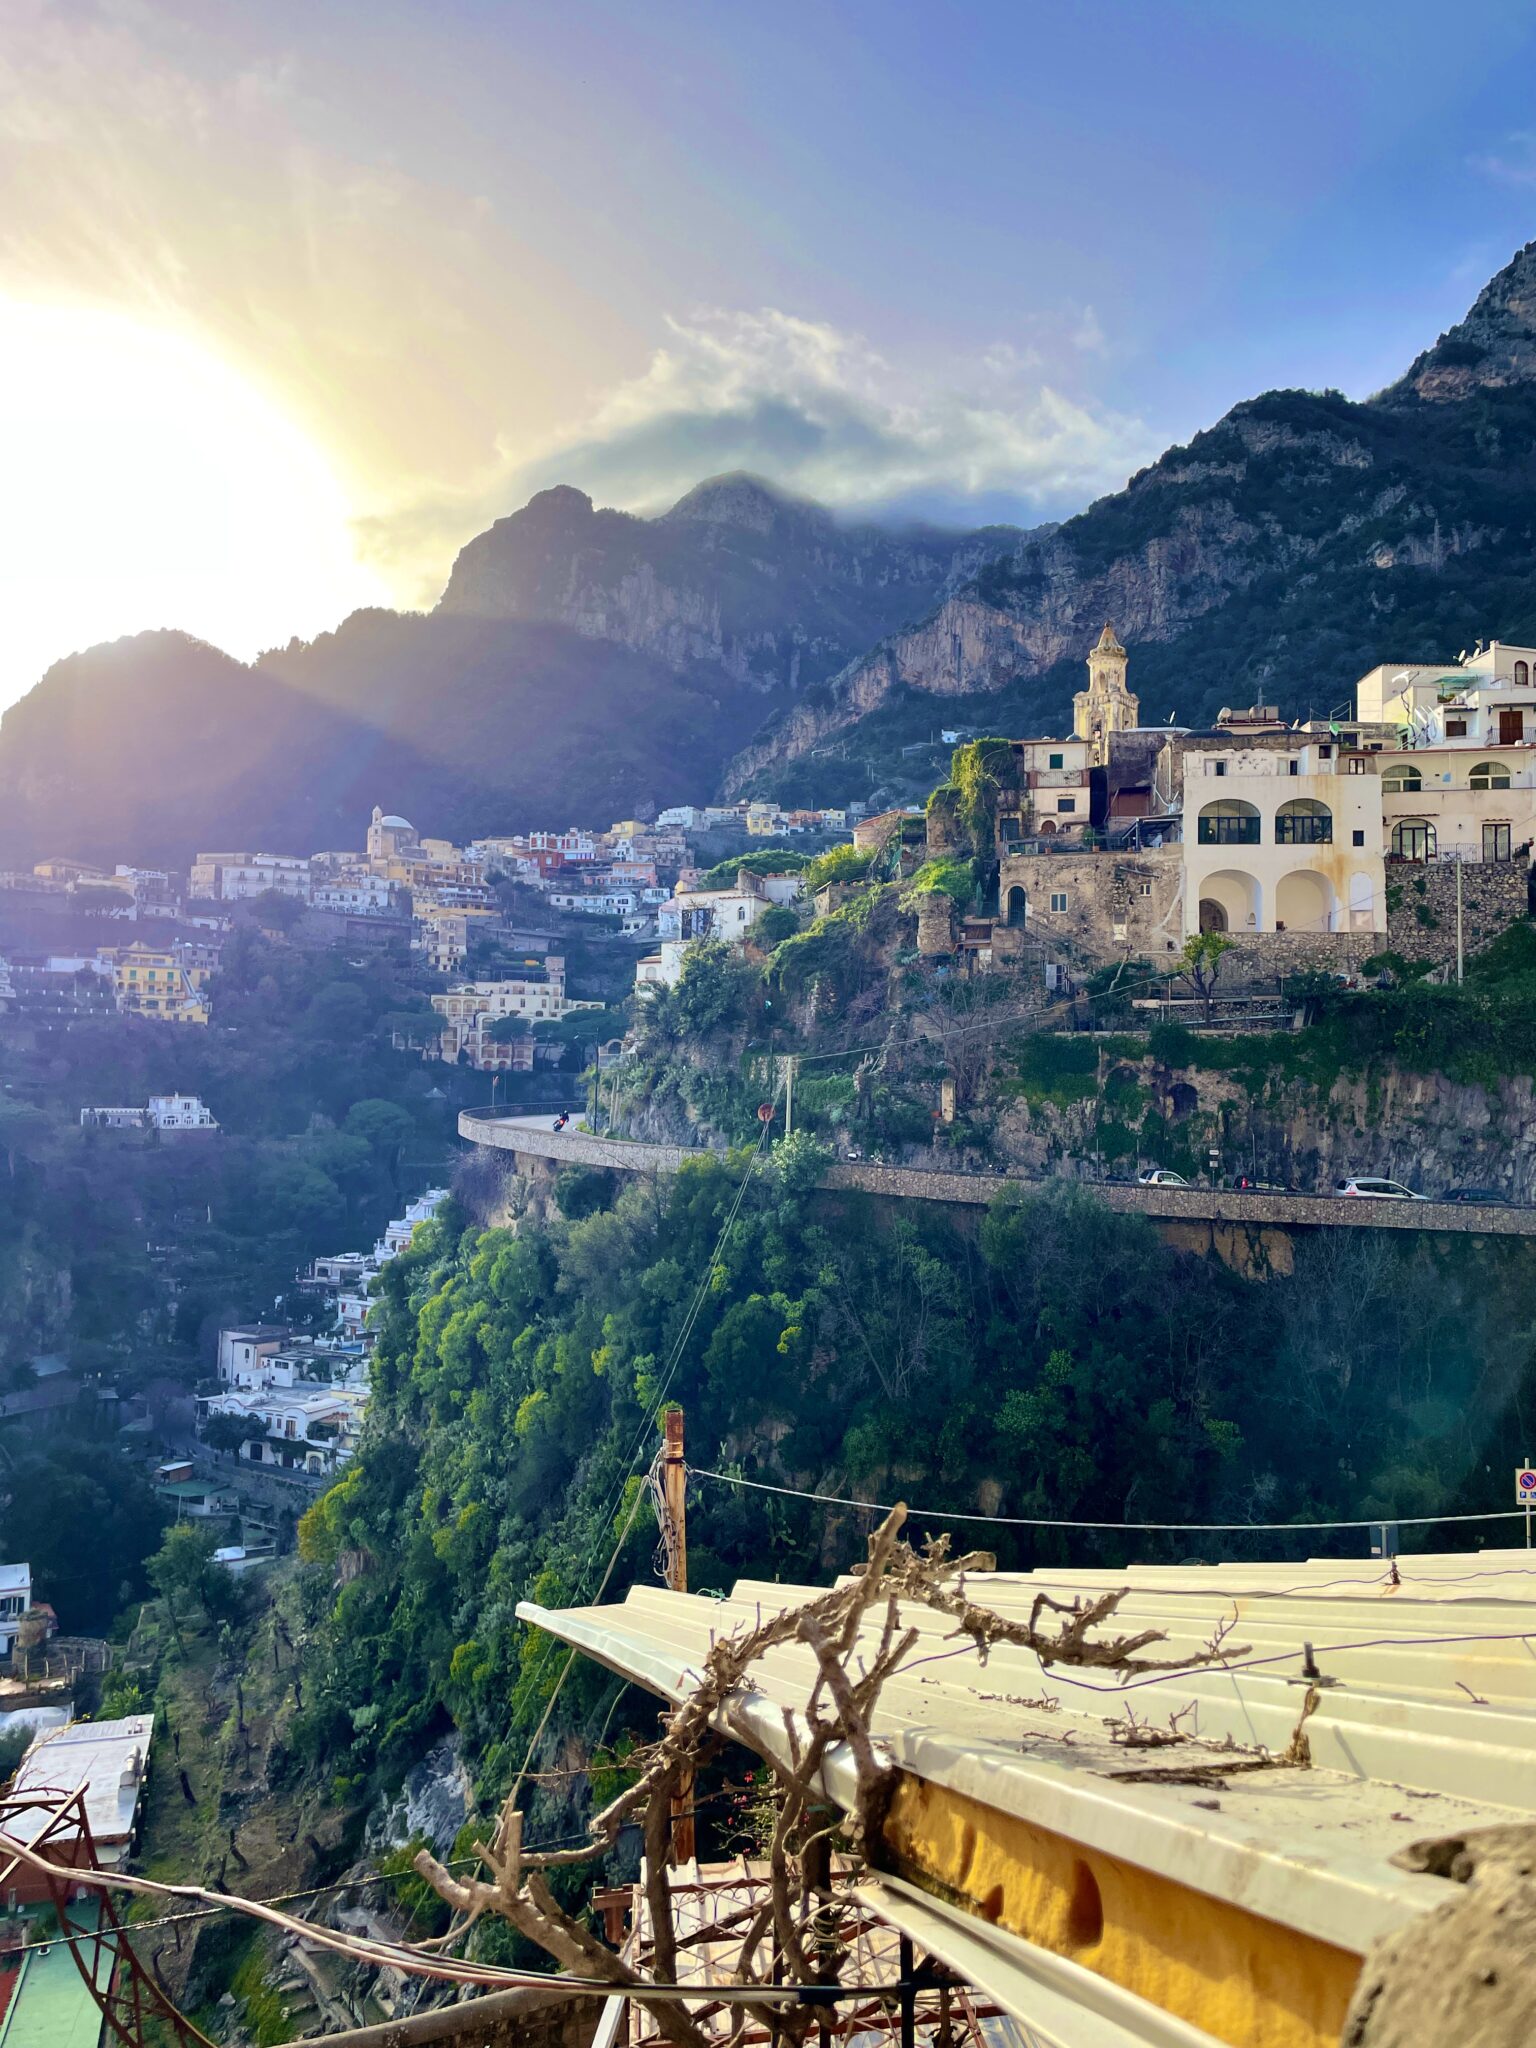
column 296, row 297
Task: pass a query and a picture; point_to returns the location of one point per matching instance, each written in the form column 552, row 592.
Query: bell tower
column 1106, row 705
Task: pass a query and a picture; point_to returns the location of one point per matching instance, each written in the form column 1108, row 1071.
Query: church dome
column 398, row 824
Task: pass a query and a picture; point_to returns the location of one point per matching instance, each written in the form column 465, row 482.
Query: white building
column 357, row 896
column 597, row 902
column 724, row 914
column 1282, row 838
column 1486, row 698
column 239, row 877
column 180, row 1113
column 308, row 1429
column 15, row 1601
column 164, row 1113
column 243, row 1351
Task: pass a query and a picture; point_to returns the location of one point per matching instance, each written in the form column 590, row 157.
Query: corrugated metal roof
column 1424, row 1723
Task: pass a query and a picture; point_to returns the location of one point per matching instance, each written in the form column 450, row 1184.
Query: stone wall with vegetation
column 1421, row 907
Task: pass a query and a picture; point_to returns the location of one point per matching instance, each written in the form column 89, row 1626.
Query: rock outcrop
column 770, row 590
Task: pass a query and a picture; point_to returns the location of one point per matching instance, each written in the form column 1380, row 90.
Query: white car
column 1378, row 1190
column 1160, row 1177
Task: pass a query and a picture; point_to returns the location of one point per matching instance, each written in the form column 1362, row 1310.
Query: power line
column 1125, row 1528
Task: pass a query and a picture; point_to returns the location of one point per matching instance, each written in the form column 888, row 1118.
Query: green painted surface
column 52, row 2006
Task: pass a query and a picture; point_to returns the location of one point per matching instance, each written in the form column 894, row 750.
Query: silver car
column 1377, row 1189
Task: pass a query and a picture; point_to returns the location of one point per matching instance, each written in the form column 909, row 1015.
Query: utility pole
column 789, row 1093
column 1460, row 954
column 674, row 1493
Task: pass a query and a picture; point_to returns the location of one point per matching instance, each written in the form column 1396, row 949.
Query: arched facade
column 1522, row 675
column 1231, row 901
column 1400, row 777
column 1017, row 906
column 1305, row 902
column 1489, row 775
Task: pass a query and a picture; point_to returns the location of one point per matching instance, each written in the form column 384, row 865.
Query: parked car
column 1160, row 1177
column 1489, row 1198
column 1377, row 1189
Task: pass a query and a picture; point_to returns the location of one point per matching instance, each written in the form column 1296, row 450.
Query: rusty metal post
column 674, row 1490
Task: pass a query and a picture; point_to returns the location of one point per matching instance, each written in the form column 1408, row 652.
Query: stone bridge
column 1254, row 1233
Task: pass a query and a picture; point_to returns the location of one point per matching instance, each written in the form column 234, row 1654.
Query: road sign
column 1525, row 1487
column 765, row 1116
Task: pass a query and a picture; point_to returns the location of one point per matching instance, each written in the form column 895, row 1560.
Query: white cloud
column 821, row 411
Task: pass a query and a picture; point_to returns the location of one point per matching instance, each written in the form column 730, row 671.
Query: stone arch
column 1303, row 822
column 1231, row 901
column 1017, row 906
column 1305, row 902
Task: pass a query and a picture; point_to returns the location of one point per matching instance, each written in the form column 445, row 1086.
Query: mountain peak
column 738, row 499
column 1493, row 347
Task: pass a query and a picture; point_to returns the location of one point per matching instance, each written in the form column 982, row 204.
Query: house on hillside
column 109, row 1760
column 727, row 915
column 15, row 1602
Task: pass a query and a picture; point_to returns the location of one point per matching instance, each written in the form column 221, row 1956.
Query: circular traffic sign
column 765, row 1112
column 1525, row 1482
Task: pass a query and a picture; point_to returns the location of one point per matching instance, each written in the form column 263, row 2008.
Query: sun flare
column 145, row 483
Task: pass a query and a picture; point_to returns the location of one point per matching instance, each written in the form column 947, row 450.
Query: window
column 1357, row 839
column 1058, row 899
column 1303, row 822
column 1489, row 775
column 1215, row 765
column 1522, row 674
column 1228, row 822
column 1401, row 776
column 1357, row 764
column 1413, row 839
column 1055, row 760
column 1145, row 889
column 1294, row 765
column 1455, row 728
column 1325, row 753
column 1066, row 803
column 1496, row 839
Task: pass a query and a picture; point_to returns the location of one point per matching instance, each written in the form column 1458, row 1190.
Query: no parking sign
column 1525, row 1487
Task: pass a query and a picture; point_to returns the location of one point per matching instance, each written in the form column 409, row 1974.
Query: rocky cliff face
column 1280, row 554
column 769, row 590
column 1431, row 1132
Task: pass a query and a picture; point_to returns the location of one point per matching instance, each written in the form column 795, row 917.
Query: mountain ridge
column 1423, row 489
column 583, row 660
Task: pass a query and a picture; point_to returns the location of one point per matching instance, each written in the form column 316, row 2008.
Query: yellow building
column 154, row 981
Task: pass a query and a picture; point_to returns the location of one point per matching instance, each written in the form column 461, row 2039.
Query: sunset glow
column 147, row 485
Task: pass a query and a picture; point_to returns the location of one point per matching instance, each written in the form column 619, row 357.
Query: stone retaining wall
column 926, row 1184
column 1421, row 907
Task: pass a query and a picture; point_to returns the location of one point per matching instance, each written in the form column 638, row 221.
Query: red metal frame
column 129, row 1997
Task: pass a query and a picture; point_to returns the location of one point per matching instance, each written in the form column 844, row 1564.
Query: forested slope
column 1059, row 1362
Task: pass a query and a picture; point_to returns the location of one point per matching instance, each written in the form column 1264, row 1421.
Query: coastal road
column 534, row 1137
